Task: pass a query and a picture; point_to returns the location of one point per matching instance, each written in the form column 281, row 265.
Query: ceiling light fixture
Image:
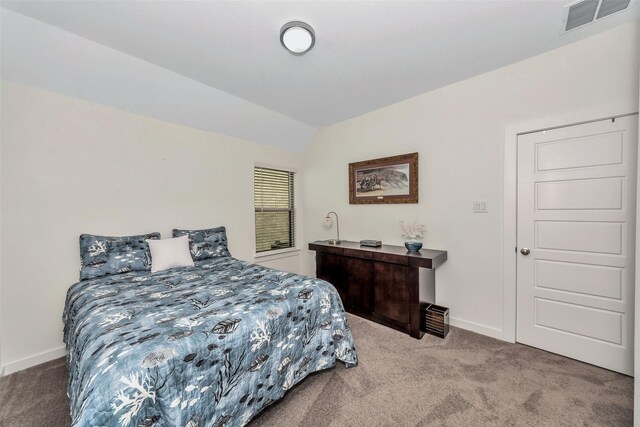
column 297, row 37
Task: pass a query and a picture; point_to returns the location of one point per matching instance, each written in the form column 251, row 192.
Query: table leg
column 414, row 303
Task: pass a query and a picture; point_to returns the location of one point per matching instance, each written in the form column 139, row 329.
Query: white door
column 576, row 216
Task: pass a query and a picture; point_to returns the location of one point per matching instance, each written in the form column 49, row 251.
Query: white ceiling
column 368, row 54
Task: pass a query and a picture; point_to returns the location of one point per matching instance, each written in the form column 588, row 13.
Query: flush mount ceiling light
column 297, row 37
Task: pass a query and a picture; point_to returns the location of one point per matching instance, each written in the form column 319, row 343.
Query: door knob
column 525, row 251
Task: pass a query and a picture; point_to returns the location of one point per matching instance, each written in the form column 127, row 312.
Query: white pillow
column 170, row 253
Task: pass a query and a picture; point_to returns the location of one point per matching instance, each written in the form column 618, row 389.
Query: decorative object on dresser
column 380, row 284
column 413, row 232
column 385, row 180
column 328, row 222
column 371, row 243
column 413, row 246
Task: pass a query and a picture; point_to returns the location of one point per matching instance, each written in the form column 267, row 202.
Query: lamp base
column 334, row 242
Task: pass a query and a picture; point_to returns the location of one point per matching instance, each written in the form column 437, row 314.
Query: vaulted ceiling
column 368, row 54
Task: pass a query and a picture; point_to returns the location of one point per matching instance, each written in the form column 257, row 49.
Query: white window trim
column 277, row 254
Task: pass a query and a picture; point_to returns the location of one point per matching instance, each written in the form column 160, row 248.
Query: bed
column 208, row 345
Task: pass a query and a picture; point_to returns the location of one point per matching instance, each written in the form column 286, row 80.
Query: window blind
column 274, row 207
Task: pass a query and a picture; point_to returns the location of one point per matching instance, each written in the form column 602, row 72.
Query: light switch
column 480, row 206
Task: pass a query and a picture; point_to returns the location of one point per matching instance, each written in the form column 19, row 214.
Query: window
column 274, row 205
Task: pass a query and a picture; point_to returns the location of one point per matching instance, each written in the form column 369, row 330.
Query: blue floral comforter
column 210, row 345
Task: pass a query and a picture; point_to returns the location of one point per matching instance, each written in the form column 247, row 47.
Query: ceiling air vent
column 611, row 6
column 585, row 11
column 581, row 13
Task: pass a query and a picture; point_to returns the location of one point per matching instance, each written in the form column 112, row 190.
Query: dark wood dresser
column 380, row 284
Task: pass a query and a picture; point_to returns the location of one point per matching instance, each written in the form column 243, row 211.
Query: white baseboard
column 34, row 360
column 476, row 327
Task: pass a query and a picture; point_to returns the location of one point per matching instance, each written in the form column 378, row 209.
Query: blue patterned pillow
column 102, row 255
column 203, row 244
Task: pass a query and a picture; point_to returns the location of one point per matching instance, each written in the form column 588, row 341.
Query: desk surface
column 426, row 258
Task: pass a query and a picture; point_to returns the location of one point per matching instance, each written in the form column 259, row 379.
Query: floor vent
column 585, row 11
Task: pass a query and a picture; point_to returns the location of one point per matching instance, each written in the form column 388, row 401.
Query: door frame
column 510, row 198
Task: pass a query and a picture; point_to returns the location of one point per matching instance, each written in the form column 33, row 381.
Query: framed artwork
column 387, row 180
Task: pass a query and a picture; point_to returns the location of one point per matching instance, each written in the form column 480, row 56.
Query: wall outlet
column 480, row 206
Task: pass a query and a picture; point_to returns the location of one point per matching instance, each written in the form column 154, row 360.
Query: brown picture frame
column 386, row 180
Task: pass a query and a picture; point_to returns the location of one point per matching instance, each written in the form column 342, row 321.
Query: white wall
column 1, row 365
column 70, row 167
column 459, row 131
column 636, row 354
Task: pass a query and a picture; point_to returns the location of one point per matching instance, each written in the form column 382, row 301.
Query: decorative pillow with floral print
column 103, row 255
column 204, row 244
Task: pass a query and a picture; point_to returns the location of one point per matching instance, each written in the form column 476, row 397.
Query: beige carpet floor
column 464, row 380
